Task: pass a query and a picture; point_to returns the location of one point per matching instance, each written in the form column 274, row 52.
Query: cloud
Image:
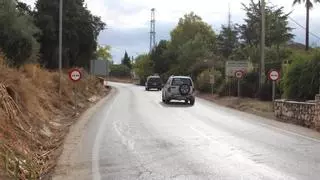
column 129, row 20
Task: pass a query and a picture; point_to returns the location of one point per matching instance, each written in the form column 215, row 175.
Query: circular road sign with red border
column 274, row 75
column 239, row 74
column 75, row 75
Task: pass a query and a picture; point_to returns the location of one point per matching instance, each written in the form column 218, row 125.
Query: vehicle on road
column 153, row 82
column 179, row 88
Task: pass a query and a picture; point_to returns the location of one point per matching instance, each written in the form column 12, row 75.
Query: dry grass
column 121, row 80
column 33, row 117
column 253, row 106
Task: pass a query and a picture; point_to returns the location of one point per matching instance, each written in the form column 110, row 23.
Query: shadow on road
column 176, row 104
column 153, row 90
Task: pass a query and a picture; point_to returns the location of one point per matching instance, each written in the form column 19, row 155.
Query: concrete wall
column 301, row 113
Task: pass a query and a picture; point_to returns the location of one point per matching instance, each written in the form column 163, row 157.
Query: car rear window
column 180, row 81
column 154, row 80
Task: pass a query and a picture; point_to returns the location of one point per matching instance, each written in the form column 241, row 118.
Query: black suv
column 153, row 82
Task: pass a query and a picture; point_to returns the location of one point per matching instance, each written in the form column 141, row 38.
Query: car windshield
column 180, row 81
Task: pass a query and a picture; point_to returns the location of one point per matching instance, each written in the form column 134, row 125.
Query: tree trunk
column 307, row 24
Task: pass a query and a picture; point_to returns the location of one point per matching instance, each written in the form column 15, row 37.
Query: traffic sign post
column 212, row 82
column 273, row 75
column 75, row 76
column 239, row 75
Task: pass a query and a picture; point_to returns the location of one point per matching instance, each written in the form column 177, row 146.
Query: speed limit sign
column 239, row 74
column 274, row 75
column 75, row 75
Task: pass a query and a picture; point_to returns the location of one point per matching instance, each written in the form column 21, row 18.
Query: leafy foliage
column 119, row 70
column 17, row 37
column 126, row 60
column 80, row 32
column 143, row 67
column 159, row 57
column 103, row 52
column 227, row 40
column 301, row 81
column 277, row 30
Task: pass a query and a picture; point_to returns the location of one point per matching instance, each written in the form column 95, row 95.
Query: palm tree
column 309, row 6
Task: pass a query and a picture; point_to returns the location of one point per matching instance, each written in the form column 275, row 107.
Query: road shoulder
column 267, row 121
column 73, row 140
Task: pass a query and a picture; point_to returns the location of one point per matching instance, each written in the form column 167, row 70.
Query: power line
column 311, row 33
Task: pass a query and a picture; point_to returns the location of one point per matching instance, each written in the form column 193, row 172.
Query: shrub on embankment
column 302, row 79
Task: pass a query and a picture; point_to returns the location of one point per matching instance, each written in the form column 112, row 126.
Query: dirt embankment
column 34, row 118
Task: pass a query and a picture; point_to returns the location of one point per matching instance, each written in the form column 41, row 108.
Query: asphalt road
column 135, row 136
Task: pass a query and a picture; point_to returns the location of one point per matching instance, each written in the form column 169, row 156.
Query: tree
column 17, row 34
column 309, row 6
column 126, row 60
column 24, row 9
column 119, row 70
column 191, row 40
column 104, row 53
column 187, row 29
column 160, row 61
column 227, row 40
column 143, row 67
column 301, row 80
column 277, row 30
column 80, row 32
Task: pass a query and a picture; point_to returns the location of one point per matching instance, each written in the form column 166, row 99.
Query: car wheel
column 147, row 89
column 192, row 101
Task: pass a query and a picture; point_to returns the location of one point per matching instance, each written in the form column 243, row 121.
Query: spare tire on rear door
column 184, row 89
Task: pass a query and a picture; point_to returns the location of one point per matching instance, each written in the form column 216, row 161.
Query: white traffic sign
column 232, row 66
column 239, row 74
column 75, row 75
column 274, row 75
column 211, row 79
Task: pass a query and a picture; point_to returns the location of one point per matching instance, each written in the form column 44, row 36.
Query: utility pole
column 152, row 30
column 60, row 46
column 262, row 46
column 229, row 16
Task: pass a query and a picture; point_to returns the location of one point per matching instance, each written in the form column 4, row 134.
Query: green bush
column 119, row 70
column 301, row 81
column 228, row 88
column 203, row 81
column 249, row 85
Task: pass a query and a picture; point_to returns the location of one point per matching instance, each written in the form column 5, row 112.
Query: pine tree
column 126, row 60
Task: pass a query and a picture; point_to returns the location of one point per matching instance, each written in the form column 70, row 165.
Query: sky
column 128, row 21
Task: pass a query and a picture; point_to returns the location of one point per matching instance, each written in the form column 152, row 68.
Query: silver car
column 179, row 88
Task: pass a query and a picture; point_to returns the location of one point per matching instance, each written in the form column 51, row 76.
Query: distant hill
column 296, row 45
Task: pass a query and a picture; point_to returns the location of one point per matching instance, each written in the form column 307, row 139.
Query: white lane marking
column 243, row 118
column 291, row 132
column 96, row 147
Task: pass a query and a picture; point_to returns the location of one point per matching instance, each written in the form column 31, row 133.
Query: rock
column 93, row 99
column 46, row 131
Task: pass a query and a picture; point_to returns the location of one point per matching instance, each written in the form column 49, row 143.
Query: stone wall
column 301, row 113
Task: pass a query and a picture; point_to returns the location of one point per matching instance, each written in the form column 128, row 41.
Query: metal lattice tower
column 152, row 30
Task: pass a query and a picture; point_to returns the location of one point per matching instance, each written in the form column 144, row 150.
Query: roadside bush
column 203, row 81
column 249, row 85
column 17, row 33
column 227, row 88
column 301, row 81
column 119, row 70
